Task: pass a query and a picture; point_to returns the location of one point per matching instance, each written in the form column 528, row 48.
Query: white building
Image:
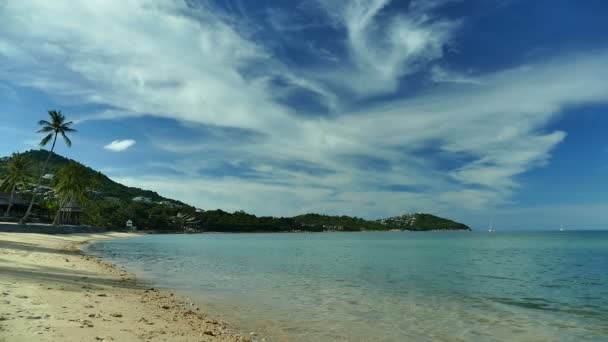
column 143, row 199
column 130, row 225
column 48, row 176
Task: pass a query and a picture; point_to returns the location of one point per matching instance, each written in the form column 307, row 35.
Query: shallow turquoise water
column 549, row 286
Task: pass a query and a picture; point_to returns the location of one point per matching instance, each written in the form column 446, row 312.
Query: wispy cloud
column 385, row 46
column 119, row 145
column 441, row 75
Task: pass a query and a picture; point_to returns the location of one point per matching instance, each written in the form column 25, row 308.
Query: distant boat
column 561, row 229
column 491, row 229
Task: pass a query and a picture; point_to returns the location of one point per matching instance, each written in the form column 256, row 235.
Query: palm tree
column 57, row 126
column 15, row 174
column 97, row 182
column 71, row 185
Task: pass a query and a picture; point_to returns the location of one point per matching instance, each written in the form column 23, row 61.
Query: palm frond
column 46, row 129
column 15, row 173
column 66, row 139
column 72, row 182
column 67, row 129
column 4, row 184
column 57, row 125
column 46, row 140
column 55, row 115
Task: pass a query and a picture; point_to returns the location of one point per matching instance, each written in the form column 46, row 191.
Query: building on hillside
column 48, row 176
column 143, row 199
column 130, row 225
column 46, row 192
column 168, row 204
column 70, row 213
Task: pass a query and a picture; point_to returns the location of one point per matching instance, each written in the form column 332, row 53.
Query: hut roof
column 73, row 206
column 17, row 199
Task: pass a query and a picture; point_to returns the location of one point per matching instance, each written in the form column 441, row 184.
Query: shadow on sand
column 69, row 280
column 30, row 247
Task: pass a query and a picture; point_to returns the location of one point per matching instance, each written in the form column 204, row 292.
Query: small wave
column 546, row 306
column 495, row 277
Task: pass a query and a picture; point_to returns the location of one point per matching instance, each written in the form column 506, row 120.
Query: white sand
column 49, row 291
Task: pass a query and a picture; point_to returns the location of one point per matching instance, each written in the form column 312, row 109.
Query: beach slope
column 50, row 291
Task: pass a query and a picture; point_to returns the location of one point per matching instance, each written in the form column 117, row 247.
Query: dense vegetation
column 341, row 223
column 421, row 222
column 109, row 204
column 105, row 185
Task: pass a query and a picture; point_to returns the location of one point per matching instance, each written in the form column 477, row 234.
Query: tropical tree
column 97, row 182
column 57, row 126
column 71, row 183
column 15, row 174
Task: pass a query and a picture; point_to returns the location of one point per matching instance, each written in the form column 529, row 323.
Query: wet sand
column 50, row 291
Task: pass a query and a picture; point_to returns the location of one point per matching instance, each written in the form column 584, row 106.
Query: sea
column 385, row 286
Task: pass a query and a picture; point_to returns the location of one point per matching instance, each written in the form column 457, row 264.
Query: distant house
column 130, row 225
column 143, row 199
column 48, row 176
column 43, row 189
column 167, row 204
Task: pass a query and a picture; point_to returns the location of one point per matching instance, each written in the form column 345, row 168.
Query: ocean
column 385, row 286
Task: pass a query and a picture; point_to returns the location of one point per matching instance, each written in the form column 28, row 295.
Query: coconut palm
column 57, row 126
column 71, row 185
column 15, row 174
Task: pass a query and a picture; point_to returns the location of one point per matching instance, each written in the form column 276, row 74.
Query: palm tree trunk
column 29, row 209
column 61, row 204
column 10, row 202
column 65, row 215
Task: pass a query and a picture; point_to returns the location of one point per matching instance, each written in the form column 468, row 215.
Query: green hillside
column 106, row 186
column 337, row 223
column 110, row 204
column 421, row 222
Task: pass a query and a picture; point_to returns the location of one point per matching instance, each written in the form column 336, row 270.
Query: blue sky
column 475, row 110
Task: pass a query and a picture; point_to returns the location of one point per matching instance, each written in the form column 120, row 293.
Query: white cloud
column 383, row 46
column 496, row 128
column 192, row 65
column 441, row 75
column 119, row 145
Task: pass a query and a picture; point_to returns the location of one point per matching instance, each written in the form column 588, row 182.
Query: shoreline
column 50, row 290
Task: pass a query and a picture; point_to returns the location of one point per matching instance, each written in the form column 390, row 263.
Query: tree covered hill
column 421, row 222
column 337, row 223
column 110, row 204
column 105, row 186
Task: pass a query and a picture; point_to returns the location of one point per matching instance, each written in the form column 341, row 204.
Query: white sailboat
column 561, row 229
column 491, row 229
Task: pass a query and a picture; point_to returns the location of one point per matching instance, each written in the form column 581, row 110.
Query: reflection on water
column 387, row 286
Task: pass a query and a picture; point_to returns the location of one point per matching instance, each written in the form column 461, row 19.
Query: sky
column 476, row 110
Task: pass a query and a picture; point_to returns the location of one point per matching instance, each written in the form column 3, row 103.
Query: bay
column 385, row 286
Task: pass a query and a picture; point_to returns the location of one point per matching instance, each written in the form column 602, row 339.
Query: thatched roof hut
column 19, row 207
column 70, row 213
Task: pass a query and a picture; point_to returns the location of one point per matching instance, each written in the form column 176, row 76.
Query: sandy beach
column 50, row 291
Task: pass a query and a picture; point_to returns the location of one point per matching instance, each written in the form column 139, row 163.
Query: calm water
column 386, row 286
